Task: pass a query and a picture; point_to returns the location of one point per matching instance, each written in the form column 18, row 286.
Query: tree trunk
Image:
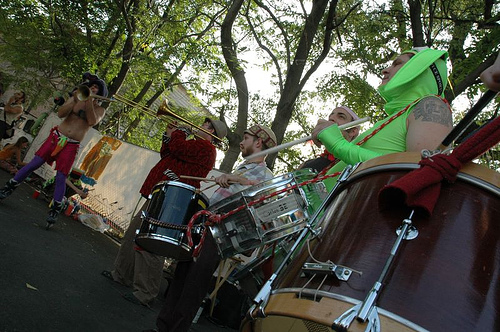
column 416, row 23
column 231, row 58
column 293, row 85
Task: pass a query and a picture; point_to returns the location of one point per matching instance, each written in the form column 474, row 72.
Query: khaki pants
column 187, row 290
column 137, row 267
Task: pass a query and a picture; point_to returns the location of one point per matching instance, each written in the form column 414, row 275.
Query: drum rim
column 243, row 193
column 183, row 185
column 163, row 238
column 352, row 301
column 265, row 185
column 470, row 173
column 175, row 184
column 305, row 170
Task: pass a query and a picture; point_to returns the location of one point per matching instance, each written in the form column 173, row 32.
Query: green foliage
column 154, row 45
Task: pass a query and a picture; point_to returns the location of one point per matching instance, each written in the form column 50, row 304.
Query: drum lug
column 261, row 299
column 345, row 320
column 143, row 216
column 341, row 272
column 411, row 232
column 373, row 324
column 231, row 233
column 198, row 229
column 315, row 232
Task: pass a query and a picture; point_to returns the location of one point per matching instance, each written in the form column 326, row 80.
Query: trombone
column 83, row 93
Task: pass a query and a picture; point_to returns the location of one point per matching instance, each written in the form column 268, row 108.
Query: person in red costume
column 135, row 267
column 191, row 281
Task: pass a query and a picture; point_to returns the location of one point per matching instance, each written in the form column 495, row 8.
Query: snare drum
column 173, row 203
column 445, row 279
column 269, row 220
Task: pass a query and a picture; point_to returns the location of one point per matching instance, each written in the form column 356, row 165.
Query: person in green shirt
column 417, row 118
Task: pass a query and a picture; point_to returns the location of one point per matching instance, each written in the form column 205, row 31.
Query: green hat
column 425, row 74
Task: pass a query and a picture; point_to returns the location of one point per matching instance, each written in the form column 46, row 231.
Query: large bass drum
column 445, row 279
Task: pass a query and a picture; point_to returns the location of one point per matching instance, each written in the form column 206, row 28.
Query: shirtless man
column 63, row 142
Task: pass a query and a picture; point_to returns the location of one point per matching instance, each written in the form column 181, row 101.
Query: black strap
column 439, row 81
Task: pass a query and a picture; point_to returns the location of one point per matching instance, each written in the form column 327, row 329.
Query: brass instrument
column 83, row 93
column 163, row 113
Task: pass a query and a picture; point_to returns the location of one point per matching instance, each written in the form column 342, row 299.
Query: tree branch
column 274, row 59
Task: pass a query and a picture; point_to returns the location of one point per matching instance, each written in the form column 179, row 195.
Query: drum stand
column 223, row 273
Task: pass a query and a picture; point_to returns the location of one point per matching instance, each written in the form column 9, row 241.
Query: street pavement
column 51, row 280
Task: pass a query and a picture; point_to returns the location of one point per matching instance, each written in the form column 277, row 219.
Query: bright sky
column 258, row 81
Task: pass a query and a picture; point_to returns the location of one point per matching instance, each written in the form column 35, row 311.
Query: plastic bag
column 93, row 221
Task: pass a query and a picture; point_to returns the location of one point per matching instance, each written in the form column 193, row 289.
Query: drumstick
column 210, row 186
column 196, row 178
column 303, row 139
column 200, row 179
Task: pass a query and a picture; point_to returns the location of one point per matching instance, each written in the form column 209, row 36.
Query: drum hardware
column 373, row 324
column 315, row 231
column 411, row 232
column 156, row 222
column 262, row 298
column 367, row 310
column 198, row 229
column 341, row 272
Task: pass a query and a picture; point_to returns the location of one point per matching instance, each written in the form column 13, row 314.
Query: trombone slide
column 303, row 139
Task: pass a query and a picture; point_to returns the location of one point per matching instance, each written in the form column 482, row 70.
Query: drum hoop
column 268, row 184
column 471, row 179
column 183, row 185
column 352, row 301
column 164, row 238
